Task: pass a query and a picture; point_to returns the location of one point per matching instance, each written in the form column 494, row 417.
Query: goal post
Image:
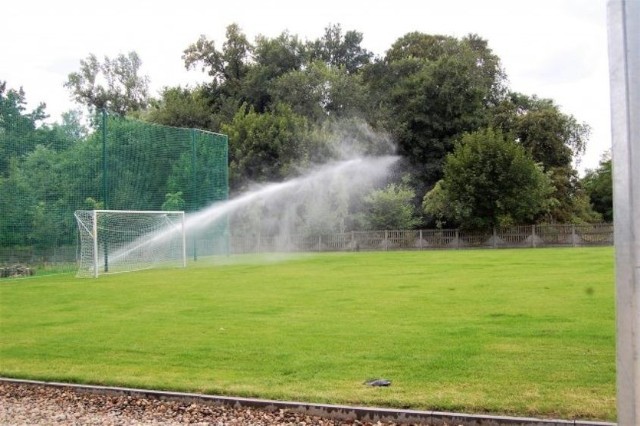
column 113, row 241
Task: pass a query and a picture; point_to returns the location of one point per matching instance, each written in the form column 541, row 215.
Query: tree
column 598, row 184
column 319, row 92
column 71, row 129
column 348, row 138
column 429, row 91
column 553, row 139
column 49, row 203
column 183, row 107
column 390, row 208
column 226, row 67
column 37, row 168
column 174, row 201
column 340, row 50
column 265, row 147
column 13, row 106
column 489, row 181
column 20, row 131
column 273, row 58
column 114, row 84
column 15, row 205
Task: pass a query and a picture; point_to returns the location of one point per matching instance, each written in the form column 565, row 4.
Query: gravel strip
column 22, row 404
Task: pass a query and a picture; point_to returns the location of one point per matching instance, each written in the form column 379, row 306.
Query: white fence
column 516, row 237
column 426, row 239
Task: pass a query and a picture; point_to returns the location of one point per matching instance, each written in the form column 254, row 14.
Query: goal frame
column 95, row 237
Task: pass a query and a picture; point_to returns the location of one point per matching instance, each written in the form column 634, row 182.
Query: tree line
column 474, row 154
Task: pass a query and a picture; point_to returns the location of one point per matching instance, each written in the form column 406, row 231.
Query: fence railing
column 425, row 239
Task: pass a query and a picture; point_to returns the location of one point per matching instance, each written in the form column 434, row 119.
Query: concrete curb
column 336, row 412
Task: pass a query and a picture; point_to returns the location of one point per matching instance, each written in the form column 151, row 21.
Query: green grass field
column 523, row 332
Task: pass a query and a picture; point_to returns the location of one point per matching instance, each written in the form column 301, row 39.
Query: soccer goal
column 114, row 241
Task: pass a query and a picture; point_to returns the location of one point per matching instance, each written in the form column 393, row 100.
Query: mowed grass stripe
column 526, row 332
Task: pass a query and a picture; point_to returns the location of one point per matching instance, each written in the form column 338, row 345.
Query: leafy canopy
column 489, row 181
column 114, row 84
column 598, row 184
column 391, row 207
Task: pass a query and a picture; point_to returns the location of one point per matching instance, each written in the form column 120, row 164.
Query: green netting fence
column 48, row 172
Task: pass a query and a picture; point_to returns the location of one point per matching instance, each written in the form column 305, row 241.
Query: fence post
column 457, row 239
column 421, row 239
column 495, row 237
column 573, row 235
column 386, row 240
column 533, row 236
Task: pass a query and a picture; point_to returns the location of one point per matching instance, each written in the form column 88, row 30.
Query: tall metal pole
column 194, row 184
column 227, row 231
column 624, row 71
column 95, row 244
column 105, row 183
column 104, row 161
column 184, row 242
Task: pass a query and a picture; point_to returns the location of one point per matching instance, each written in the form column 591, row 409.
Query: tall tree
column 183, row 107
column 114, row 84
column 598, row 184
column 489, row 181
column 430, row 90
column 228, row 69
column 227, row 66
column 35, row 197
column 72, row 127
column 15, row 204
column 20, row 130
column 553, row 139
column 273, row 58
column 319, row 92
column 265, row 147
column 340, row 50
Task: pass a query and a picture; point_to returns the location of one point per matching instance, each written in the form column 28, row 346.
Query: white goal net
column 114, row 241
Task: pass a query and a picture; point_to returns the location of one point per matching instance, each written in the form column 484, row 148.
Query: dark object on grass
column 16, row 271
column 378, row 382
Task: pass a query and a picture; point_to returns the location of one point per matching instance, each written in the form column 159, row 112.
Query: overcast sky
column 552, row 48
